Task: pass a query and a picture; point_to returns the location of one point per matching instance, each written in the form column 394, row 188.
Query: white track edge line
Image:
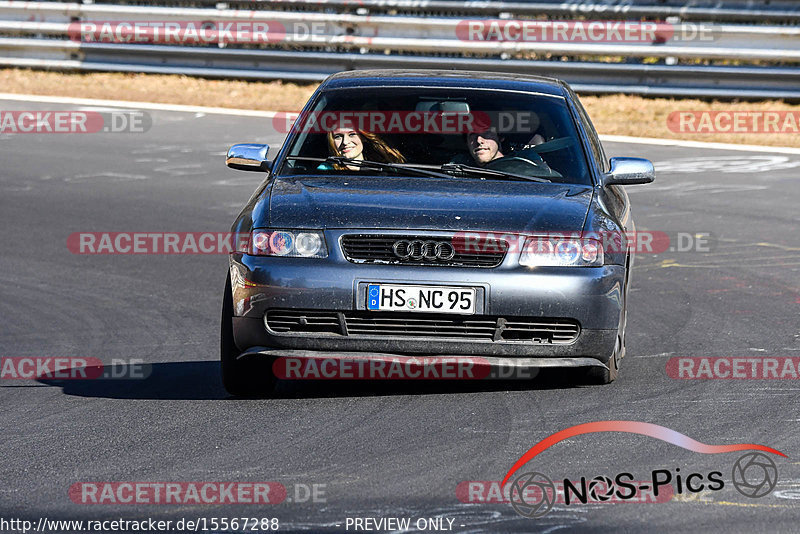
column 138, row 105
column 699, row 144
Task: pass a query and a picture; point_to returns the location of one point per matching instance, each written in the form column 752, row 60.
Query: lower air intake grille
column 470, row 327
column 285, row 321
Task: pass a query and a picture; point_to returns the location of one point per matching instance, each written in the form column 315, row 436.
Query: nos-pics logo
column 533, row 494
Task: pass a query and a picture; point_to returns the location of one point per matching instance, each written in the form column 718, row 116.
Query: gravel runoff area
column 769, row 122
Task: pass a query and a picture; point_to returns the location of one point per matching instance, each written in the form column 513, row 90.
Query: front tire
column 240, row 377
column 600, row 375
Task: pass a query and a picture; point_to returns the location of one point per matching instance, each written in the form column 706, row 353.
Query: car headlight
column 561, row 252
column 289, row 243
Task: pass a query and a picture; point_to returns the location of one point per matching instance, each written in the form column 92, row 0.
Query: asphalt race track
column 375, row 450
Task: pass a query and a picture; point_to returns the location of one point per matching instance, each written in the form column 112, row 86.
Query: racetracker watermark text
column 74, row 122
column 741, row 122
column 202, row 493
column 492, row 492
column 581, row 31
column 398, row 368
column 734, row 368
column 460, row 121
column 188, row 32
column 645, row 242
column 157, row 242
column 72, row 368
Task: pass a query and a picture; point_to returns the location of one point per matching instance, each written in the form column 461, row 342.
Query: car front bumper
column 591, row 296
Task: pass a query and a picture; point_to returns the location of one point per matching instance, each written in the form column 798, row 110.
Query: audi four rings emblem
column 427, row 250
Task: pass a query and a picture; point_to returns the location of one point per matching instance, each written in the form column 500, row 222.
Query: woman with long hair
column 359, row 144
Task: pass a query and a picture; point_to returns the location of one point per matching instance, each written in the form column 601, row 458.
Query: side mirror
column 629, row 171
column 248, row 157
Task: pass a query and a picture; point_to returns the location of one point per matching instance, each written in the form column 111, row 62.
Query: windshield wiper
column 377, row 165
column 457, row 169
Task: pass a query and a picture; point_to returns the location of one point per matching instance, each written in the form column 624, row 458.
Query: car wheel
column 241, row 377
column 600, row 375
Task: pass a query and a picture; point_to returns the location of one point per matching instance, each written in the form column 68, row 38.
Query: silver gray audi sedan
column 435, row 214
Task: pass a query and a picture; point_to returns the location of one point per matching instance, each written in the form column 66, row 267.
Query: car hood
column 426, row 204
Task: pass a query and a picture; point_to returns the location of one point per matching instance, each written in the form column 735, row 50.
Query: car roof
column 445, row 78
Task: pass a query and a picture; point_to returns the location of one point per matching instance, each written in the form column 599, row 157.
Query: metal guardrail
column 37, row 35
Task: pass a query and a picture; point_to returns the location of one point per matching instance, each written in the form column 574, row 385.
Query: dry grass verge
column 612, row 114
column 647, row 117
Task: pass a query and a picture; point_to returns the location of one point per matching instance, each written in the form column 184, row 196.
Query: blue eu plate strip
column 373, row 297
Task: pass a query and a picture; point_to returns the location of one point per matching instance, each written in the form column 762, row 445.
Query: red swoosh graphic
column 633, row 427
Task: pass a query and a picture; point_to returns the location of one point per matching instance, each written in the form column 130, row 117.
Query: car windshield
column 460, row 133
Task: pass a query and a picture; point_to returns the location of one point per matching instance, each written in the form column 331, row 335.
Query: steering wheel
column 554, row 144
column 531, row 164
column 515, row 164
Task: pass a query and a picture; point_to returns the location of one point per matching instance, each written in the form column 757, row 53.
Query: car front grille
column 376, row 248
column 468, row 327
column 308, row 321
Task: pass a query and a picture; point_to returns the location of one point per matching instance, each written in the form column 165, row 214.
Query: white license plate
column 381, row 297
